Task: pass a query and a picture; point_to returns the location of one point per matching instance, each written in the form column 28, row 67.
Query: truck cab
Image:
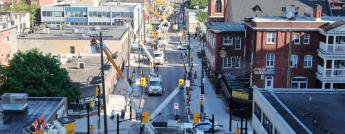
column 155, row 86
column 158, row 57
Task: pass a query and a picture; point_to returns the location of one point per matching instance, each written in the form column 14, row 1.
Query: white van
column 158, row 57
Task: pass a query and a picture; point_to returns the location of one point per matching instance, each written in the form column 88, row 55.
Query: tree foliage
column 38, row 75
column 201, row 3
column 22, row 6
column 202, row 16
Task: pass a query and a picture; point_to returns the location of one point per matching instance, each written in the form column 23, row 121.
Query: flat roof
column 321, row 111
column 14, row 123
column 225, row 27
column 284, row 19
column 88, row 77
column 78, row 32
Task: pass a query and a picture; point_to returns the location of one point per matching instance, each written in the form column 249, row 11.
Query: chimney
column 317, row 13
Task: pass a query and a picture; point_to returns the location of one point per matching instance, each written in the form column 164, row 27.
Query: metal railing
column 332, row 48
column 337, row 72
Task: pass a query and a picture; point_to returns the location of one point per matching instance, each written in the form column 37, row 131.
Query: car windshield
column 157, row 55
column 154, row 83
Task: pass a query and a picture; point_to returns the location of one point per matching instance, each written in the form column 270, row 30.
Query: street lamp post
column 103, row 86
column 202, row 88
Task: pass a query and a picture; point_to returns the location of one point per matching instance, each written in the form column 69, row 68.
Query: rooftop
column 224, row 27
column 88, row 77
column 78, row 33
column 14, row 123
column 283, row 19
column 333, row 25
column 320, row 111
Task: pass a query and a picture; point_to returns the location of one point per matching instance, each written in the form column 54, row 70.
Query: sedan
column 206, row 126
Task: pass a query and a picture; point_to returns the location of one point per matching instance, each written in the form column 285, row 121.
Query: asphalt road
column 171, row 71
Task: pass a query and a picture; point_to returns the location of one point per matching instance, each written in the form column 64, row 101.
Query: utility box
column 65, row 125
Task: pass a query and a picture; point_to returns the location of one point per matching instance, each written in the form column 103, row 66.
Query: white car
column 206, row 126
column 181, row 47
column 158, row 57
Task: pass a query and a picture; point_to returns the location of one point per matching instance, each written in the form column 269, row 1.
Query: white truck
column 155, row 86
column 158, row 57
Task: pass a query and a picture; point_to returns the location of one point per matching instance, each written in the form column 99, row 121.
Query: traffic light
column 145, row 117
column 143, row 81
column 196, row 117
column 97, row 90
column 180, row 82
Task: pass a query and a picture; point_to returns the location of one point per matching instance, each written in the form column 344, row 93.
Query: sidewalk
column 213, row 103
column 117, row 102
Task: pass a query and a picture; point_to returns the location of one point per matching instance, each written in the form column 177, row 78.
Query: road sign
column 175, row 106
column 180, row 82
column 201, row 96
column 187, row 83
column 143, row 81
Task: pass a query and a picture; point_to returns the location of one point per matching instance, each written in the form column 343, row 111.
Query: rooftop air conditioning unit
column 14, row 102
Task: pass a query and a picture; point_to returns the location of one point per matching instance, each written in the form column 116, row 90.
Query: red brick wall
column 212, row 11
column 230, row 49
column 5, row 46
column 281, row 49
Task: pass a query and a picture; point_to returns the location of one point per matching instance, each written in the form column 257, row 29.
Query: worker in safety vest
column 39, row 124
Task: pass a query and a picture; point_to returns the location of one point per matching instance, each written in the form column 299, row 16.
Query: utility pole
column 117, row 124
column 103, row 87
column 288, row 76
column 212, row 123
column 202, row 79
column 99, row 106
column 88, row 117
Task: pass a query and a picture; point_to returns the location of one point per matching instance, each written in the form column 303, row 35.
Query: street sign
column 175, row 106
column 143, row 81
column 180, row 82
column 201, row 96
column 187, row 83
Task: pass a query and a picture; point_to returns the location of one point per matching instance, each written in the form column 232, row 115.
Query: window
column 227, row 41
column 218, row 6
column 299, row 82
column 308, row 61
column 306, row 39
column 293, row 61
column 267, row 124
column 226, row 63
column 238, row 43
column 236, row 62
column 72, row 49
column 296, row 39
column 257, row 111
column 271, row 37
column 270, row 60
column 8, row 38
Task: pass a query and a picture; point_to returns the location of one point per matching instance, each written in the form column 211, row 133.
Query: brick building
column 8, row 43
column 282, row 51
column 228, row 37
column 216, row 10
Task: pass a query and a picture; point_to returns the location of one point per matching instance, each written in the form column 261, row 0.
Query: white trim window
column 308, row 61
column 297, row 39
column 271, row 37
column 299, row 82
column 306, row 39
column 236, row 62
column 293, row 61
column 238, row 43
column 226, row 62
column 227, row 41
column 213, row 42
column 270, row 59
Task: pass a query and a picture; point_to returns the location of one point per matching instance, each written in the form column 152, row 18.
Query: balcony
column 336, row 75
column 332, row 50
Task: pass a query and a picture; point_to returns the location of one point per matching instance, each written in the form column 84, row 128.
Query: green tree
column 22, row 6
column 202, row 16
column 38, row 75
column 201, row 3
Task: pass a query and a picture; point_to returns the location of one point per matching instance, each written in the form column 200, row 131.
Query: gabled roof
column 334, row 25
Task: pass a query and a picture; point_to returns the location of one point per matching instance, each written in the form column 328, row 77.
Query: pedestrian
column 195, row 74
column 112, row 115
column 122, row 114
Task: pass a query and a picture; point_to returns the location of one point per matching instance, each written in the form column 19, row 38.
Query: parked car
column 206, row 126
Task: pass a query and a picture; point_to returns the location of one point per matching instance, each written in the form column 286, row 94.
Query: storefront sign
column 265, row 71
